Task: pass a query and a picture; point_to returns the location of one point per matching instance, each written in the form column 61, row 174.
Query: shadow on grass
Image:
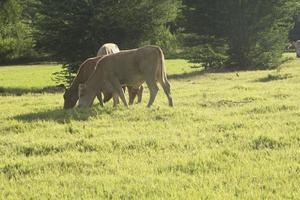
column 188, row 75
column 9, row 91
column 62, row 116
column 202, row 71
column 275, row 77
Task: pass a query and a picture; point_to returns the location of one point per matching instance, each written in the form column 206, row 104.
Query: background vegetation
column 235, row 34
column 73, row 31
column 238, row 34
column 16, row 42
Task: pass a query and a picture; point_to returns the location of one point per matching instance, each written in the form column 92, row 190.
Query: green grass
column 29, row 76
column 229, row 136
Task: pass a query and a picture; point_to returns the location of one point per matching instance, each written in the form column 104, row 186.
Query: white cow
column 108, row 48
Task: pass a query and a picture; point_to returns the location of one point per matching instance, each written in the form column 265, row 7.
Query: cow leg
column 107, row 97
column 140, row 94
column 99, row 97
column 167, row 89
column 131, row 94
column 118, row 87
column 115, row 99
column 122, row 96
column 153, row 91
column 124, row 89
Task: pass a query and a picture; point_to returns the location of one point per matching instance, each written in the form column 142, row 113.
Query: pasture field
column 229, row 136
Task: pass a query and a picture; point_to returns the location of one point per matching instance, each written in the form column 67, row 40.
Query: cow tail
column 161, row 66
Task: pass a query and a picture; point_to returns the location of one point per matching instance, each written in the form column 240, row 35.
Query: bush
column 210, row 57
column 7, row 47
column 255, row 32
column 72, row 32
column 165, row 39
column 210, row 52
column 16, row 42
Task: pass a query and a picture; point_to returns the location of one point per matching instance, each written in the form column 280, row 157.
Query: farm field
column 230, row 136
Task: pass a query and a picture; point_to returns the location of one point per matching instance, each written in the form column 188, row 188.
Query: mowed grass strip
column 229, row 136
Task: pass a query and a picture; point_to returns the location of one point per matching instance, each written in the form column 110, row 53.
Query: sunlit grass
column 29, row 76
column 229, row 136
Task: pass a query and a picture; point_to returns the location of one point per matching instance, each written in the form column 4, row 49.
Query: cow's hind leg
column 153, row 91
column 167, row 89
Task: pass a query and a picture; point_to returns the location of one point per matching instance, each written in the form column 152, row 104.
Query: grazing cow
column 85, row 70
column 297, row 47
column 130, row 68
column 110, row 48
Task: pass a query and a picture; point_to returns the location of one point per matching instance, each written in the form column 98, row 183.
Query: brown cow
column 130, row 68
column 85, row 70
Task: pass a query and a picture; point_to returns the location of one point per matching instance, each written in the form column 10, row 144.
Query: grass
column 29, row 76
column 229, row 136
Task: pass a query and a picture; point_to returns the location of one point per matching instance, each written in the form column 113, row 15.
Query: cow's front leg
column 118, row 87
column 122, row 96
column 115, row 99
column 99, row 97
column 131, row 94
column 107, row 96
column 140, row 94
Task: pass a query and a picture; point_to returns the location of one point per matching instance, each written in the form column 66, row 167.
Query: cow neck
column 94, row 83
column 75, row 83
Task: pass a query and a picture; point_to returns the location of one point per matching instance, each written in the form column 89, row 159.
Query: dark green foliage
column 208, row 51
column 236, row 34
column 72, row 31
column 15, row 33
column 295, row 32
column 255, row 31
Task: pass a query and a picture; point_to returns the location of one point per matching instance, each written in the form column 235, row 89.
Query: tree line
column 231, row 34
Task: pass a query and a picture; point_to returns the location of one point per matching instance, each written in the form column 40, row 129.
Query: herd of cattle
column 113, row 70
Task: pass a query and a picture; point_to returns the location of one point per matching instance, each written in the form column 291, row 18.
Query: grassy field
column 229, row 136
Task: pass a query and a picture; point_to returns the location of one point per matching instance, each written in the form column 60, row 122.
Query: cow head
column 70, row 98
column 86, row 96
